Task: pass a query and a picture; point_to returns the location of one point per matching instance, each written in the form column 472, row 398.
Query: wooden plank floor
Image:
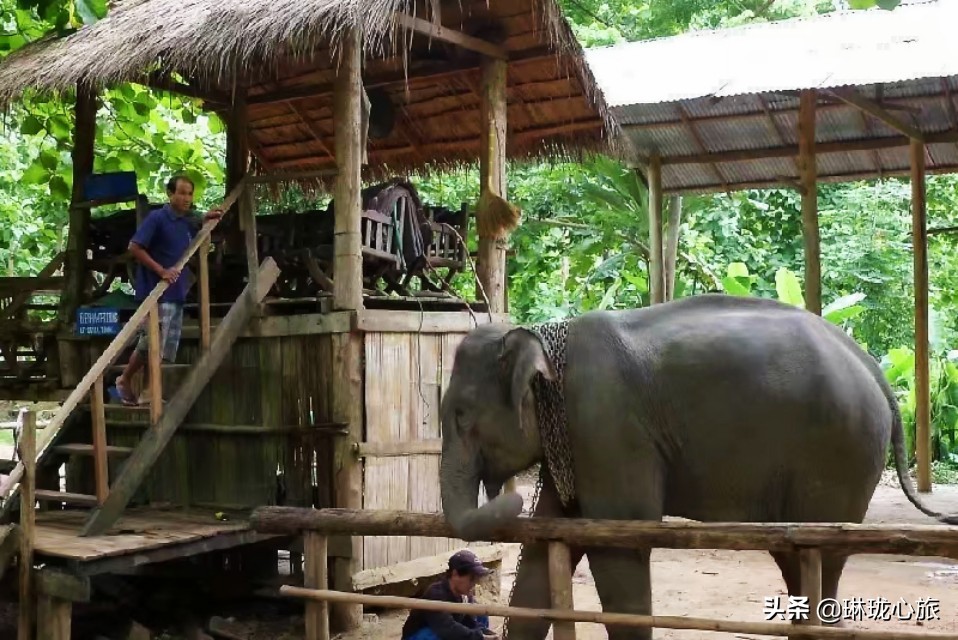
column 139, row 530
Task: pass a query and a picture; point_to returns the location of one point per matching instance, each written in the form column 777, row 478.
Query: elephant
column 714, row 408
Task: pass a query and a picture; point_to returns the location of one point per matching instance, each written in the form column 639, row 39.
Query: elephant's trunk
column 459, row 478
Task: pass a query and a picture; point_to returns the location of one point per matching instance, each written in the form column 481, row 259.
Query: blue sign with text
column 98, row 321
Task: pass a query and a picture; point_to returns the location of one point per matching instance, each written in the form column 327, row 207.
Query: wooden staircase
column 109, row 499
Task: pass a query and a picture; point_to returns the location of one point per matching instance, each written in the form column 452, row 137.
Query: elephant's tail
column 898, row 447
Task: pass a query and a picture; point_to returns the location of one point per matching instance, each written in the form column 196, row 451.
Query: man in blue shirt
column 456, row 586
column 158, row 244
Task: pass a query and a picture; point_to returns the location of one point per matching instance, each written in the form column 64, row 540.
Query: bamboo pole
column 317, row 614
column 617, row 619
column 560, row 588
column 656, row 271
column 811, row 581
column 28, row 455
column 204, row 256
column 492, row 177
column 347, row 114
column 809, row 180
column 919, row 239
column 155, row 358
column 921, row 540
column 100, row 462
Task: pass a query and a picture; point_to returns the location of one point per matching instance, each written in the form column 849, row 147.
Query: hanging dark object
column 382, row 114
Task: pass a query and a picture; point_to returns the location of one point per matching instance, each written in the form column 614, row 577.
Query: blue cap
column 465, row 561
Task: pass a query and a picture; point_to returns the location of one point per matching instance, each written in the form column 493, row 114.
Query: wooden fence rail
column 917, row 540
column 808, row 539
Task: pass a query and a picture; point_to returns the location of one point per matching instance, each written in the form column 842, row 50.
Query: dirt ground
column 732, row 585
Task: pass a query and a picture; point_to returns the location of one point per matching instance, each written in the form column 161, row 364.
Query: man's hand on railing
column 213, row 214
column 170, row 275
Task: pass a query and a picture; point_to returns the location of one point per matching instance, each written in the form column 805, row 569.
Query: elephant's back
column 738, row 391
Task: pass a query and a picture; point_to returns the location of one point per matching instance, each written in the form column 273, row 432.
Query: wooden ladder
column 109, row 501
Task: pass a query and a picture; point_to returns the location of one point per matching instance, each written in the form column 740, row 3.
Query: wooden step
column 78, row 499
column 118, row 368
column 87, row 450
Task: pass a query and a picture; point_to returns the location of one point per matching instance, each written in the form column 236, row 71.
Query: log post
column 347, row 467
column 811, row 582
column 347, row 116
column 656, row 271
column 491, row 267
column 317, row 613
column 672, row 245
column 53, row 618
column 919, row 239
column 809, row 181
column 75, row 262
column 154, row 360
column 28, row 455
column 560, row 588
column 204, row 258
column 100, row 462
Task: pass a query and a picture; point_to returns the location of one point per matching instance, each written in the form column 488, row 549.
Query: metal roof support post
column 919, row 238
column 656, row 271
column 809, row 181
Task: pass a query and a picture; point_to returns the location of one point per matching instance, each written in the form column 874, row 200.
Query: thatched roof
column 284, row 52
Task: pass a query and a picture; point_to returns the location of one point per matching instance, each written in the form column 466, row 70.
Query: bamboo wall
column 406, row 374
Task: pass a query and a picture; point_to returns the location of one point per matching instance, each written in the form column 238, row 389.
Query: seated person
column 456, row 586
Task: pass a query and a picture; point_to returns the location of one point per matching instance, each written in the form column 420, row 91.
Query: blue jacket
column 165, row 236
column 446, row 626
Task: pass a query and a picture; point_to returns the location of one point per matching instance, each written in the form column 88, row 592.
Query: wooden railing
column 808, row 540
column 93, row 380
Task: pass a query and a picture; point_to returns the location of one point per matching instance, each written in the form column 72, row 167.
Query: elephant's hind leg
column 624, row 586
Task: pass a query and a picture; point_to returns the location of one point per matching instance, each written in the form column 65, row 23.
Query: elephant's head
column 489, row 427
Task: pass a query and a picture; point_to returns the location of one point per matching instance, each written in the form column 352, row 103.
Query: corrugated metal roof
column 831, row 50
column 714, row 92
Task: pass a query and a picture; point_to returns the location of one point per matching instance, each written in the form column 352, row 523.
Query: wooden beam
column 154, row 440
column 810, row 568
column 919, row 240
column 398, row 449
column 311, row 127
column 451, row 36
column 155, row 370
column 560, row 588
column 204, row 258
column 809, row 179
column 656, row 272
column 59, row 584
column 54, row 618
column 347, row 396
column 822, row 148
column 28, row 454
column 101, row 468
column 317, row 613
column 700, row 143
column 347, row 111
column 492, row 177
column 878, row 112
column 919, row 540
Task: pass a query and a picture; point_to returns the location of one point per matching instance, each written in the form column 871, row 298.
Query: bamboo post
column 560, row 588
column 100, row 463
column 347, row 116
column 811, row 582
column 204, row 257
column 615, row 619
column 919, row 239
column 492, row 176
column 656, row 271
column 809, row 181
column 317, row 613
column 154, row 358
column 28, row 455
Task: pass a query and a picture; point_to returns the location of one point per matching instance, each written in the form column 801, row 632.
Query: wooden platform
column 142, row 536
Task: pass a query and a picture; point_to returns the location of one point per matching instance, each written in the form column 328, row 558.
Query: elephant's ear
column 522, row 357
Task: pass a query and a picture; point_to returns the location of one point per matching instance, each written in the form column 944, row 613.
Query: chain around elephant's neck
column 550, row 410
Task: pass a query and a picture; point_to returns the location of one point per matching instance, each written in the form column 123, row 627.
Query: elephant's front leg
column 624, row 585
column 532, row 579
